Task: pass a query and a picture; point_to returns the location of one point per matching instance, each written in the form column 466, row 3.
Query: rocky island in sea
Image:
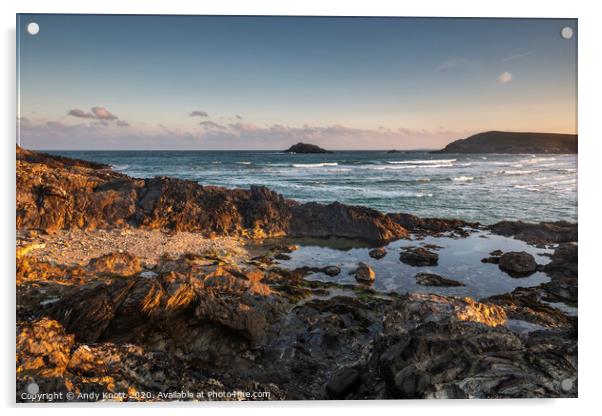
column 514, row 142
column 161, row 284
column 306, row 148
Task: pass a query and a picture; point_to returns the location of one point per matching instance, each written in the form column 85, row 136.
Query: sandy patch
column 78, row 247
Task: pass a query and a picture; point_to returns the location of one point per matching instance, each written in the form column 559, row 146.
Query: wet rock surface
column 517, row 264
column 431, row 279
column 419, row 257
column 542, row 233
column 377, row 253
column 364, row 273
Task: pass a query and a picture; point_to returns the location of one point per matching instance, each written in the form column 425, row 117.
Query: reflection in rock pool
column 459, row 259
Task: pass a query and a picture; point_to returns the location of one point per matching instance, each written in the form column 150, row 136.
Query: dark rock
column 331, row 270
column 542, row 233
column 432, row 247
column 377, row 253
column 364, row 273
column 419, row 257
column 496, row 253
column 430, row 279
column 518, row 263
column 306, row 148
column 342, row 383
column 492, row 260
column 282, row 256
column 432, row 226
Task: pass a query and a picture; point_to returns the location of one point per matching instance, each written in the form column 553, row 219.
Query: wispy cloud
column 96, row 113
column 516, row 56
column 103, row 134
column 211, row 125
column 198, row 113
column 80, row 114
column 505, row 77
column 238, row 117
column 453, row 63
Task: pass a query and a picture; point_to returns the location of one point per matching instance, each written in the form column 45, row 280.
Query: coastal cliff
column 513, row 142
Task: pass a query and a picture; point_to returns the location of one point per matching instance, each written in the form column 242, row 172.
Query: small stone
column 331, row 270
column 282, row 256
column 496, row 253
column 364, row 273
column 377, row 253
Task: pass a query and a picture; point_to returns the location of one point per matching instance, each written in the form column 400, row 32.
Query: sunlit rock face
column 56, row 193
column 43, row 349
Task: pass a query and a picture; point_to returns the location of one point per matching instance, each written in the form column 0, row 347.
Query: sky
column 261, row 83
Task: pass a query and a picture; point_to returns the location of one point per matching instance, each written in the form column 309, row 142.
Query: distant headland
column 306, row 148
column 513, row 142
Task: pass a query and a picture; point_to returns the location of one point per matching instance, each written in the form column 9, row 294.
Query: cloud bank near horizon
column 97, row 133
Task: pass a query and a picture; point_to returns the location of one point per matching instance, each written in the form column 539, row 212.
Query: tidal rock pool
column 459, row 259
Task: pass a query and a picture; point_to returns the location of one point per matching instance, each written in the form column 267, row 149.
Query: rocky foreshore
column 207, row 317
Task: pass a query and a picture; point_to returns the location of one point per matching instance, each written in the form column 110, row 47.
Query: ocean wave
column 516, row 172
column 462, row 178
column 564, row 182
column 530, row 188
column 119, row 168
column 243, row 163
column 540, row 159
column 399, row 167
column 421, row 162
column 314, row 165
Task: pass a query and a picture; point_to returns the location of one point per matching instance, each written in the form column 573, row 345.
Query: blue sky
column 132, row 82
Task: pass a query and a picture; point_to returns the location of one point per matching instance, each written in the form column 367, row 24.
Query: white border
column 590, row 154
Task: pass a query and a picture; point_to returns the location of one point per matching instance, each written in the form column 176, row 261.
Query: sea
column 475, row 187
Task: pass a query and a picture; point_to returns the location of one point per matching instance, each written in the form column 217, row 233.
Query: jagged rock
column 542, row 233
column 121, row 264
column 43, row 349
column 364, row 273
column 431, row 279
column 83, row 195
column 377, row 253
column 518, row 263
column 435, row 226
column 419, row 257
column 282, row 256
